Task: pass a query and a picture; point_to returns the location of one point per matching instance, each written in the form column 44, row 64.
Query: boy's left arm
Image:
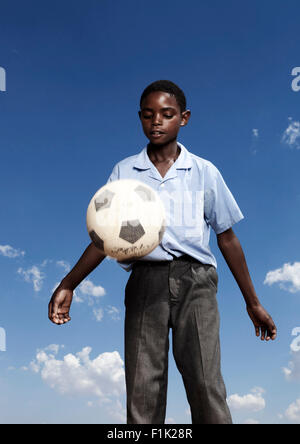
column 231, row 249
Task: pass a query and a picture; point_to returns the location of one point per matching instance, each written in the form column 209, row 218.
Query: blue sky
column 74, row 75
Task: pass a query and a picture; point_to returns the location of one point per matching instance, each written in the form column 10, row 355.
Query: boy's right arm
column 60, row 303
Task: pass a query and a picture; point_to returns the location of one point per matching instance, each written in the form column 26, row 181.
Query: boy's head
column 168, row 87
column 163, row 111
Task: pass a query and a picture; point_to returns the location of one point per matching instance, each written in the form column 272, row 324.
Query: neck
column 163, row 153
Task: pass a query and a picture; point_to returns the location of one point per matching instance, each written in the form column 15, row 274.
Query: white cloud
column 65, row 265
column 54, row 348
column 288, row 274
column 170, row 421
column 76, row 297
column 293, row 411
column 188, row 411
column 255, row 136
column 33, row 275
column 292, row 371
column 251, row 421
column 291, row 135
column 8, row 251
column 113, row 312
column 88, row 288
column 252, row 401
column 46, row 262
column 98, row 313
column 117, row 411
column 102, row 377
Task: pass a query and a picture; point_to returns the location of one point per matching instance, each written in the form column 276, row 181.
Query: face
column 161, row 118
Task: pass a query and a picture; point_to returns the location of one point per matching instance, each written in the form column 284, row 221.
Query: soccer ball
column 126, row 219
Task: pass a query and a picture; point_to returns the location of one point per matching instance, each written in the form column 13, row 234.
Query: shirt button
column 162, row 185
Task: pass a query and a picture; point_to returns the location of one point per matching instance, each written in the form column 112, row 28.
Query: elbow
column 225, row 238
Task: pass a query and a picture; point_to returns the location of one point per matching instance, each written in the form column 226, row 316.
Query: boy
column 175, row 286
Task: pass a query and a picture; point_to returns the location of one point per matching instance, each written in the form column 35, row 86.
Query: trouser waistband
column 182, row 258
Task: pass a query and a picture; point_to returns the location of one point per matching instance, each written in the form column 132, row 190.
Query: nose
column 156, row 119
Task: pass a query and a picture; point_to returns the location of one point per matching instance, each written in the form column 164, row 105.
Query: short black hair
column 168, row 87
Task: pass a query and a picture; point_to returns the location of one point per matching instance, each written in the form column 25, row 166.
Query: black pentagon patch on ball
column 131, row 231
column 97, row 240
column 145, row 193
column 103, row 200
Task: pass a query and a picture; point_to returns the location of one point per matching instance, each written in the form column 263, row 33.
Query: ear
column 185, row 117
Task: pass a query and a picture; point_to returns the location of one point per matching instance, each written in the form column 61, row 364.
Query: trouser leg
column 146, row 345
column 196, row 345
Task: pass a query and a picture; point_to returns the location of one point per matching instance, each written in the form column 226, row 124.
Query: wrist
column 252, row 302
column 67, row 284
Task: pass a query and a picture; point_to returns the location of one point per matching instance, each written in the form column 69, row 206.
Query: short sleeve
column 220, row 208
column 115, row 174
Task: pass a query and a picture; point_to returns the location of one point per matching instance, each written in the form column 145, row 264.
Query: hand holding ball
column 126, row 219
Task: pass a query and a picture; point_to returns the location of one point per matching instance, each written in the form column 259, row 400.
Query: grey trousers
column 181, row 295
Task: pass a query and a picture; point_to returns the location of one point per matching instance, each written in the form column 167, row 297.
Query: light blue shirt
column 195, row 197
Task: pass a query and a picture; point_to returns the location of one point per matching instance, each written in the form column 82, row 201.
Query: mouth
column 156, row 133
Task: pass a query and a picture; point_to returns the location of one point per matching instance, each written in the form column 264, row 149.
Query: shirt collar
column 184, row 161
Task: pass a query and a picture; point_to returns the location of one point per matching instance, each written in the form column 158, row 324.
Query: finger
column 273, row 333
column 268, row 334
column 263, row 333
column 65, row 318
column 61, row 318
column 272, row 329
column 257, row 330
column 54, row 309
column 54, row 319
column 51, row 311
column 54, row 314
column 63, row 315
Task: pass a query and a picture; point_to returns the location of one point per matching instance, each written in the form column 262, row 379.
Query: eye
column 168, row 116
column 146, row 116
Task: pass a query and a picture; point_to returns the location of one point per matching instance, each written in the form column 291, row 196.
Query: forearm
column 234, row 256
column 90, row 259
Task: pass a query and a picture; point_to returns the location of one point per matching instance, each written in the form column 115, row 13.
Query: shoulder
column 127, row 161
column 124, row 168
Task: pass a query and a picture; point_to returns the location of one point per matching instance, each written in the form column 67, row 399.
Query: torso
column 163, row 168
